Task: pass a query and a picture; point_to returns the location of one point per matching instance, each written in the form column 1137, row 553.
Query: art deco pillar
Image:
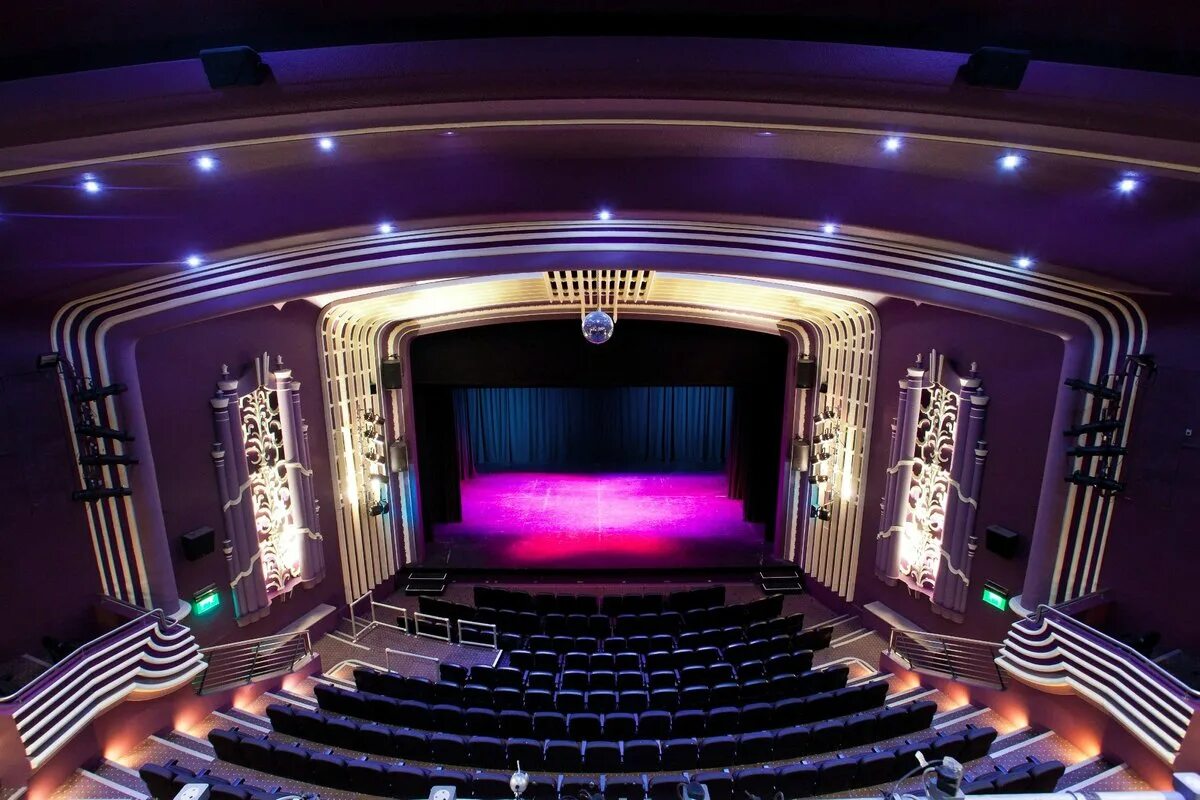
column 962, row 502
column 287, row 392
column 246, row 581
column 887, row 552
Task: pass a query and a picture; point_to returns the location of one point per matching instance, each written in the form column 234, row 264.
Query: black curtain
column 753, row 464
column 593, row 428
column 438, row 456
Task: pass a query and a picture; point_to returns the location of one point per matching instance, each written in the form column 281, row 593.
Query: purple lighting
column 601, row 520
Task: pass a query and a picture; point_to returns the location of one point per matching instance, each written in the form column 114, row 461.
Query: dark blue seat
column 619, row 726
column 758, row 781
column 718, row 751
column 527, row 752
column 680, row 754
column 642, row 755
column 798, row 780
column 836, row 775
column 601, row 756
column 486, row 751
column 563, row 756
column 447, row 748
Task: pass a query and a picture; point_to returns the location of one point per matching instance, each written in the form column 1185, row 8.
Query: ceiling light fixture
column 1024, row 262
column 193, row 261
column 206, row 163
column 604, row 215
column 386, row 228
column 829, row 228
column 90, row 184
column 1128, row 184
column 892, row 144
column 325, row 143
column 1011, row 161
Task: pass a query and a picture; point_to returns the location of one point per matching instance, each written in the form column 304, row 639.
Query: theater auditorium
column 658, row 401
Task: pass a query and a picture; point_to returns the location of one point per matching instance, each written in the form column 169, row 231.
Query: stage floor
column 597, row 521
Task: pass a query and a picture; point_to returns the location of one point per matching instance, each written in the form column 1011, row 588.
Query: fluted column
column 313, row 547
column 246, row 582
column 900, row 476
column 288, row 402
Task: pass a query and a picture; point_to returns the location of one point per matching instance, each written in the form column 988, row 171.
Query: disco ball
column 597, row 327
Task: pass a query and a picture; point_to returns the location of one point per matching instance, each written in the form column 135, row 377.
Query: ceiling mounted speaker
column 1002, row 541
column 391, row 374
column 198, row 543
column 806, row 373
column 398, row 456
column 995, row 68
column 233, row 66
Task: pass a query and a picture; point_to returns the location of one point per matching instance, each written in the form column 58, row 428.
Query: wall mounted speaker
column 1002, row 541
column 398, row 456
column 233, row 66
column 800, row 454
column 995, row 68
column 197, row 543
column 806, row 373
column 391, row 374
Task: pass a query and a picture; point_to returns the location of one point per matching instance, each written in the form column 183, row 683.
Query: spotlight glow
column 1128, row 184
column 1024, row 262
column 193, row 261
column 604, row 215
column 325, row 143
column 206, row 163
column 1011, row 161
column 90, row 184
column 829, row 229
column 892, row 144
column 765, row 134
column 386, row 227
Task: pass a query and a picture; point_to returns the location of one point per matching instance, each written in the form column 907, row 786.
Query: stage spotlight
column 377, row 508
column 90, row 185
column 325, row 144
column 1101, row 450
column 386, row 227
column 892, row 144
column 1099, row 426
column 1100, row 482
column 829, row 229
column 100, row 432
column 1095, row 389
column 92, row 495
column 206, row 163
column 96, row 392
column 1010, row 161
column 107, row 460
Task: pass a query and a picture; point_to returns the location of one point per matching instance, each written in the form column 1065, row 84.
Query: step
column 778, row 572
column 120, row 774
column 88, row 784
column 428, row 575
column 186, row 740
column 247, row 717
column 424, row 588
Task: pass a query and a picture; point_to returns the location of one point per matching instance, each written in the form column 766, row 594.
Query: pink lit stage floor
column 597, row 521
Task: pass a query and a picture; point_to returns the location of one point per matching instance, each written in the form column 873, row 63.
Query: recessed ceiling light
column 1011, row 161
column 604, row 215
column 829, row 228
column 193, row 260
column 892, row 144
column 325, row 143
column 206, row 163
column 386, row 227
column 90, row 184
column 1128, row 184
column 448, row 133
column 765, row 134
column 1024, row 262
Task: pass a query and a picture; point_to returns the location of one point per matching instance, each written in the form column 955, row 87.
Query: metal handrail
column 388, row 652
column 354, row 633
column 957, row 656
column 1155, row 670
column 241, row 643
column 419, row 616
column 484, row 628
column 241, row 663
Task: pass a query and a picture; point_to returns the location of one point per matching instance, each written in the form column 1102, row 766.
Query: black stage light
column 100, row 432
column 1102, row 450
column 97, row 392
column 1080, row 478
column 92, row 495
column 378, row 507
column 1099, row 426
column 107, row 460
column 1104, row 392
column 49, row 361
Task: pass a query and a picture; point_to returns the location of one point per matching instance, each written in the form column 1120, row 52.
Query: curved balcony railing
column 1057, row 653
column 148, row 656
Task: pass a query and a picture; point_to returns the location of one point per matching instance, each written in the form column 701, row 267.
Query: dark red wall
column 179, row 369
column 1020, row 369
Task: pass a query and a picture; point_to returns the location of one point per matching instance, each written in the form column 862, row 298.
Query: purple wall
column 1154, row 544
column 48, row 565
column 179, row 369
column 1020, row 369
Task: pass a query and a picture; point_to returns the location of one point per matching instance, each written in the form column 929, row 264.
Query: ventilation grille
column 599, row 288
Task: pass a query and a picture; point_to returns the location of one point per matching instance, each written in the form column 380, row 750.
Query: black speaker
column 233, row 66
column 806, row 373
column 197, row 543
column 799, row 454
column 995, row 68
column 391, row 374
column 1002, row 541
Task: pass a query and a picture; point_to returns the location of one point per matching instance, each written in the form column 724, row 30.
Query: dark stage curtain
column 438, row 451
column 631, row 427
column 753, row 463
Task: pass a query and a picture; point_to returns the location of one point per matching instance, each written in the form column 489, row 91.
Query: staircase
column 426, row 582
column 781, row 580
column 240, row 663
column 970, row 661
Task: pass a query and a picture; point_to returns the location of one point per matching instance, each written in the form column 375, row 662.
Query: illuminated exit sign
column 995, row 596
column 206, row 600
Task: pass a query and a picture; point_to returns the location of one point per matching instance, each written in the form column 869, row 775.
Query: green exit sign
column 995, row 596
column 206, row 600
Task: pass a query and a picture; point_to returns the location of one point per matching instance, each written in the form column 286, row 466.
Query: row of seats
column 609, row 755
column 611, row 604
column 812, row 639
column 397, row 780
column 166, row 781
column 778, row 654
column 1029, row 777
column 568, row 701
column 654, row 724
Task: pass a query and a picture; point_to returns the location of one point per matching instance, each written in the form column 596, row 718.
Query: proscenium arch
column 1099, row 327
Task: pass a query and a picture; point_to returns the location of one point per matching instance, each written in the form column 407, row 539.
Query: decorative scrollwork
column 271, row 498
column 933, row 454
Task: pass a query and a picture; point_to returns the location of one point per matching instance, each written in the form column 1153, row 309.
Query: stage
column 540, row 520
